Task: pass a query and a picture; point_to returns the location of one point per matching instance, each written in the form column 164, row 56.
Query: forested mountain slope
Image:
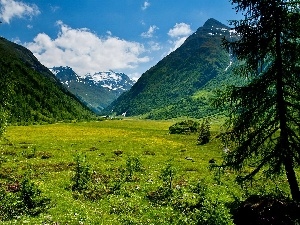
column 176, row 86
column 30, row 92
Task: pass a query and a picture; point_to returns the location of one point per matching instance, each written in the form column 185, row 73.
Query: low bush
column 22, row 198
column 184, row 127
column 82, row 174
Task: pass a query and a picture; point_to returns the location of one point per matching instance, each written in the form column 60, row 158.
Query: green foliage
column 204, row 132
column 3, row 121
column 167, row 176
column 31, row 197
column 95, row 186
column 21, row 199
column 165, row 192
column 205, row 208
column 133, row 164
column 82, row 174
column 109, row 196
column 213, row 212
column 30, row 92
column 5, row 95
column 264, row 113
column 184, row 127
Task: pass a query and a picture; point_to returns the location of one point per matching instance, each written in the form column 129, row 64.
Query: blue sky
column 90, row 36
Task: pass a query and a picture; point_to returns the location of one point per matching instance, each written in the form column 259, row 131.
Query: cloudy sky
column 90, row 36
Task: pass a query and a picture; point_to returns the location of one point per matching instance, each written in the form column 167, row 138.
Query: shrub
column 3, row 119
column 25, row 198
column 164, row 193
column 133, row 164
column 184, row 127
column 213, row 212
column 199, row 206
column 82, row 174
column 167, row 175
column 204, row 134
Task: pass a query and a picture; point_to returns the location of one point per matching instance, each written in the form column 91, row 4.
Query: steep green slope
column 33, row 93
column 90, row 95
column 167, row 89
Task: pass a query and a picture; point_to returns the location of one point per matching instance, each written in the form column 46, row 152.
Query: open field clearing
column 138, row 172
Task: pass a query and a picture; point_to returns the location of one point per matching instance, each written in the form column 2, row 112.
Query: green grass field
column 47, row 153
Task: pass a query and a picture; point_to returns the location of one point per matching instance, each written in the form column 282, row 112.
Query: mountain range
column 96, row 90
column 180, row 85
column 182, row 82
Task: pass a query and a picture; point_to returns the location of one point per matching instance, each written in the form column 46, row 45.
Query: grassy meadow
column 140, row 174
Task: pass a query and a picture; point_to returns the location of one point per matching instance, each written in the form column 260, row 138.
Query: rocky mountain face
column 180, row 84
column 97, row 90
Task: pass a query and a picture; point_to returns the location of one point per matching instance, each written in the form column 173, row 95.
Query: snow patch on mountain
column 111, row 80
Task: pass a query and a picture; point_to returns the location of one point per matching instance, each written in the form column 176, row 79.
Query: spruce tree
column 204, row 132
column 264, row 124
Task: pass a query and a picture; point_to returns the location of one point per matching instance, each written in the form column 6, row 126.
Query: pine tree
column 264, row 126
column 204, row 132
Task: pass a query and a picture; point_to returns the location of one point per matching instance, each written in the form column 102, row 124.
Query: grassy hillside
column 167, row 89
column 31, row 91
column 112, row 150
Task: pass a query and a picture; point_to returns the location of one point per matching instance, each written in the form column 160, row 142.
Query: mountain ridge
column 33, row 93
column 96, row 90
column 179, row 76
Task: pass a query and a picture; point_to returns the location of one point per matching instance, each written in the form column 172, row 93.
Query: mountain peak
column 167, row 89
column 96, row 90
column 213, row 23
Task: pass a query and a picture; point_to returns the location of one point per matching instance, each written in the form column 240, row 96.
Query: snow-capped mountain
column 95, row 90
column 111, row 80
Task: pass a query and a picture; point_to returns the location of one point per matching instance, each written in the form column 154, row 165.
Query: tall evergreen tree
column 265, row 113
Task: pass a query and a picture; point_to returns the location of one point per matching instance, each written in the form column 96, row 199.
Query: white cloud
column 179, row 30
column 134, row 76
column 179, row 33
column 154, row 46
column 16, row 40
column 85, row 52
column 145, row 5
column 177, row 43
column 12, row 8
column 150, row 32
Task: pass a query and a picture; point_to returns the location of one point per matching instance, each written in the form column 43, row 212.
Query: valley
column 97, row 91
column 47, row 153
column 209, row 134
